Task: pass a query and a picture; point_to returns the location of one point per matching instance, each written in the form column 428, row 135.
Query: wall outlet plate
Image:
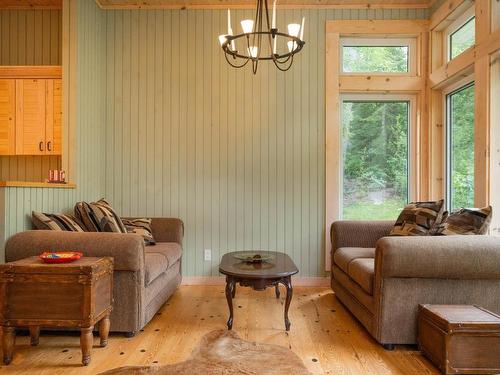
column 208, row 254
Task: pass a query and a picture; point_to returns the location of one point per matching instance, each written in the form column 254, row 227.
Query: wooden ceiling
column 217, row 4
column 30, row 4
column 220, row 4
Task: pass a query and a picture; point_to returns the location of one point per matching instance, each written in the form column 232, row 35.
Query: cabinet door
column 30, row 116
column 7, row 116
column 53, row 123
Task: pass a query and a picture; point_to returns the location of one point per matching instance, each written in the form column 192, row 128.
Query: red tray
column 60, row 256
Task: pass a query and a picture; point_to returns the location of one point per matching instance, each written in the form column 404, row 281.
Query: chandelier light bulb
column 253, row 51
column 247, row 26
column 222, row 39
column 291, row 45
column 293, row 29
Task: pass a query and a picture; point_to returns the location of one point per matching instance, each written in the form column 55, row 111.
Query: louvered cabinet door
column 7, row 116
column 53, row 123
column 30, row 116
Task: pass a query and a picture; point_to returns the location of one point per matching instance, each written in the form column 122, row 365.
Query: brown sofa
column 382, row 280
column 144, row 276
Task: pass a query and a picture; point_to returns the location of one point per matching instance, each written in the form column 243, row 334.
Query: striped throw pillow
column 99, row 217
column 60, row 222
column 141, row 227
column 418, row 219
column 466, row 221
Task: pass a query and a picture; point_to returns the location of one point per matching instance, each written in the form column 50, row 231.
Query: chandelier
column 261, row 40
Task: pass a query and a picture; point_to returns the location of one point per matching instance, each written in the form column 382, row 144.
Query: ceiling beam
column 30, row 4
column 250, row 4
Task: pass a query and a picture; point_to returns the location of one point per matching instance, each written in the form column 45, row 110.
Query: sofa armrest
column 345, row 233
column 438, row 257
column 126, row 249
column 167, row 229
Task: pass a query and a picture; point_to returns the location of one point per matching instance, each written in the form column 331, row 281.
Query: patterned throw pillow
column 141, row 227
column 418, row 219
column 466, row 221
column 99, row 217
column 59, row 222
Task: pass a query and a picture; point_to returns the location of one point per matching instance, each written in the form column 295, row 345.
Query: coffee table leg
column 229, row 297
column 104, row 330
column 277, row 290
column 287, row 282
column 86, row 341
column 35, row 335
column 233, row 292
column 9, row 337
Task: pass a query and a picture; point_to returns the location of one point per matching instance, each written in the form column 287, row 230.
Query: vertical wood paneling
column 239, row 158
column 17, row 203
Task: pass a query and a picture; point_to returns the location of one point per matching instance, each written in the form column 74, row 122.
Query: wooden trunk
column 460, row 339
column 62, row 295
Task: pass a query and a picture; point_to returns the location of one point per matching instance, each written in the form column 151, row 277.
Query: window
column 460, row 147
column 375, row 163
column 461, row 34
column 378, row 55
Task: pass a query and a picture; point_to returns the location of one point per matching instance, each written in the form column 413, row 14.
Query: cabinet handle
column 49, row 146
column 40, row 146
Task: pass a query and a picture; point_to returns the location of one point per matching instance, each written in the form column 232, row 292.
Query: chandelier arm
column 234, row 65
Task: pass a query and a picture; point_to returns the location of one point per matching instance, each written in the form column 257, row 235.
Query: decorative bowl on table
column 60, row 256
column 253, row 256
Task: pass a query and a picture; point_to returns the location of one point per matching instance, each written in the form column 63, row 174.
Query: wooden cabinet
column 32, row 110
column 7, row 116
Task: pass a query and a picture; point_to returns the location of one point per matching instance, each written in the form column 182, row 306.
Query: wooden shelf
column 28, row 71
column 34, row 184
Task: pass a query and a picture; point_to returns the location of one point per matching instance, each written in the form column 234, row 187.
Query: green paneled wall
column 240, row 158
column 17, row 203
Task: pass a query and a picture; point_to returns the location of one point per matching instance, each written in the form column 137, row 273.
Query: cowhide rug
column 223, row 352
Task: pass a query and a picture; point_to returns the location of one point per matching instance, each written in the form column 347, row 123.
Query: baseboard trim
column 220, row 280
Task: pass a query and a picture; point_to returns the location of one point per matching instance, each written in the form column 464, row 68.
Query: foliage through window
column 376, row 56
column 375, row 138
column 460, row 130
column 463, row 38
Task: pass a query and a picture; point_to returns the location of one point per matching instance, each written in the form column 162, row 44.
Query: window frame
column 380, row 41
column 447, row 92
column 452, row 28
column 411, row 99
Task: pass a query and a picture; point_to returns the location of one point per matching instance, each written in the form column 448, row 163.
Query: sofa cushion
column 419, row 219
column 346, row 255
column 361, row 270
column 160, row 258
column 466, row 221
column 99, row 217
column 58, row 222
column 141, row 227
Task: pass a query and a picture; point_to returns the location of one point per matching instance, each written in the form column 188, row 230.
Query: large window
column 460, row 150
column 375, row 134
column 378, row 55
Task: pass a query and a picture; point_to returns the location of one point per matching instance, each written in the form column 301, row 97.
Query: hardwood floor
column 327, row 338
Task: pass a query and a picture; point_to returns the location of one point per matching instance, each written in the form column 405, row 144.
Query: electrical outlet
column 208, row 254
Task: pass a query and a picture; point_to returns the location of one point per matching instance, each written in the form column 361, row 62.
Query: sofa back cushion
column 59, row 222
column 466, row 221
column 418, row 219
column 99, row 217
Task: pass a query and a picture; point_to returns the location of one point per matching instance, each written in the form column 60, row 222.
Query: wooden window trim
column 337, row 84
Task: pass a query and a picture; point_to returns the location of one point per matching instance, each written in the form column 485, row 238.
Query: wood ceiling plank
column 249, row 4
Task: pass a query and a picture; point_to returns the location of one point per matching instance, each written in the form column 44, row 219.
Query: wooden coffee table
column 259, row 276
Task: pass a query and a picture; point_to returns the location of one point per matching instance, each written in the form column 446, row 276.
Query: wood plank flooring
column 327, row 338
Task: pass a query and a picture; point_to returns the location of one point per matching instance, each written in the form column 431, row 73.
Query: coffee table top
column 281, row 265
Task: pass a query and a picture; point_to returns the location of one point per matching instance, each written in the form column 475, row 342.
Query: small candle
column 273, row 25
column 228, row 22
column 302, row 29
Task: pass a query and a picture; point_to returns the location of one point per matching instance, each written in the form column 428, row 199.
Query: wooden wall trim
column 250, row 4
column 30, row 71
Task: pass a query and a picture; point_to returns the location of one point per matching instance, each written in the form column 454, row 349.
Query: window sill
column 34, row 184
